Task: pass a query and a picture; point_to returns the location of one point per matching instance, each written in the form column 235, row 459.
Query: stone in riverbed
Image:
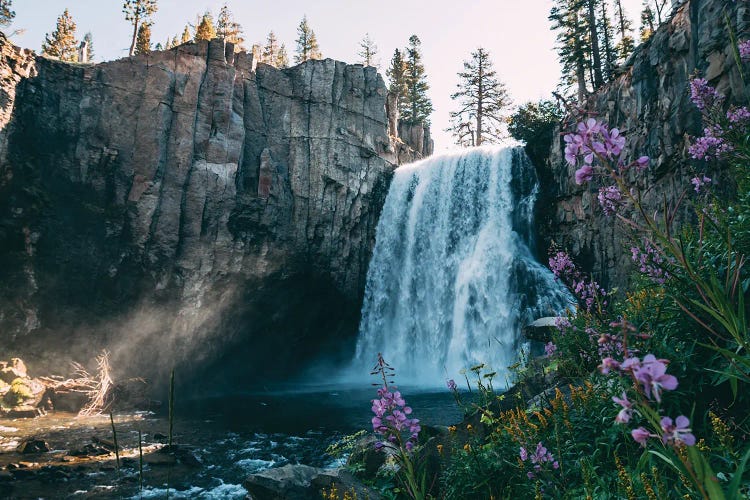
column 32, row 445
column 302, row 482
column 13, row 370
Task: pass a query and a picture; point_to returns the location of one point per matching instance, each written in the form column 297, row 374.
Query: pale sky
column 515, row 32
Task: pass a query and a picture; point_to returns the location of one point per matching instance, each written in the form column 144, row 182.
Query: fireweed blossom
column 538, row 458
column 391, row 419
column 627, row 409
column 703, row 95
column 650, row 262
column 699, row 182
column 677, row 432
column 744, row 49
column 587, row 292
column 550, row 349
column 610, row 198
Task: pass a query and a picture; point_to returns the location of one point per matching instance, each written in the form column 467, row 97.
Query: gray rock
column 169, row 206
column 650, row 102
column 302, row 482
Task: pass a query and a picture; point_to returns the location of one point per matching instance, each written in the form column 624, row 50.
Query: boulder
column 32, row 445
column 302, row 482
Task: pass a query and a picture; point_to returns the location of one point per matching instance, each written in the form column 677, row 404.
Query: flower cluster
column 610, row 198
column 672, row 432
column 711, row 145
column 588, row 292
column 703, row 95
column 650, row 262
column 650, row 373
column 744, row 49
column 593, row 140
column 550, row 349
column 699, row 182
column 391, row 419
column 538, row 458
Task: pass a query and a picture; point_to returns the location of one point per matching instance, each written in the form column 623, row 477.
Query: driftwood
column 97, row 388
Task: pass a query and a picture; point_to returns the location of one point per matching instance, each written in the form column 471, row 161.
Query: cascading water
column 453, row 278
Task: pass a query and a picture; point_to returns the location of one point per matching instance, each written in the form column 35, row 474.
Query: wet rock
column 650, row 100
column 13, row 370
column 171, row 455
column 89, row 450
column 366, row 458
column 71, row 401
column 33, row 445
column 302, row 482
column 541, row 329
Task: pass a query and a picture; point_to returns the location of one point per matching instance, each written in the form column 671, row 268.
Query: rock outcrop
column 167, row 206
column 650, row 102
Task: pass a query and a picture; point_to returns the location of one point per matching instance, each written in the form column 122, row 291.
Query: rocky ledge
column 188, row 203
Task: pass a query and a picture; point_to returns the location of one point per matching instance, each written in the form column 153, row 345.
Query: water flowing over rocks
column 454, row 277
column 650, row 102
column 169, row 205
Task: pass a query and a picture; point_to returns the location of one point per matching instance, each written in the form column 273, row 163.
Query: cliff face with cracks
column 187, row 203
column 650, row 102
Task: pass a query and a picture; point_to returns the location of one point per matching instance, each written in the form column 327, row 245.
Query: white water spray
column 453, row 278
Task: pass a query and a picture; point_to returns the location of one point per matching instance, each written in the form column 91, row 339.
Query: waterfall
column 453, row 277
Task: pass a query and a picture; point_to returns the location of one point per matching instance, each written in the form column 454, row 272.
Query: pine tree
column 143, row 42
column 282, row 60
column 595, row 53
column 396, row 74
column 368, row 51
column 607, row 41
column 6, row 14
column 185, row 38
column 626, row 44
column 228, row 29
column 206, row 29
column 138, row 12
column 482, row 99
column 89, row 39
column 307, row 43
column 659, row 9
column 647, row 23
column 417, row 105
column 158, row 47
column 62, row 42
column 566, row 18
column 270, row 52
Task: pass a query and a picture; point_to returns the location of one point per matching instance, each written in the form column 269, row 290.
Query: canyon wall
column 650, row 102
column 179, row 205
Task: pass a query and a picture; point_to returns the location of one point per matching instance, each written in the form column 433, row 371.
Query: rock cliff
column 187, row 203
column 650, row 102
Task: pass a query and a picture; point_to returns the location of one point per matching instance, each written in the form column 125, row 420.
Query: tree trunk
column 480, row 98
column 608, row 53
column 136, row 21
column 595, row 54
column 580, row 67
column 622, row 19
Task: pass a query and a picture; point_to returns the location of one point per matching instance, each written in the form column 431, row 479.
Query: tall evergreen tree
column 307, row 43
column 89, row 39
column 659, row 9
column 595, row 53
column 417, row 106
column 607, row 41
column 396, row 74
column 625, row 26
column 270, row 52
column 138, row 12
column 367, row 51
column 566, row 17
column 282, row 59
column 158, row 47
column 482, row 100
column 143, row 42
column 6, row 14
column 228, row 29
column 647, row 23
column 62, row 42
column 185, row 38
column 206, row 30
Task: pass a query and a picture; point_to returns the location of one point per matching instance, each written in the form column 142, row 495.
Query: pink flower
column 607, row 365
column 652, row 375
column 640, row 435
column 627, row 409
column 677, row 432
column 744, row 48
column 584, row 174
